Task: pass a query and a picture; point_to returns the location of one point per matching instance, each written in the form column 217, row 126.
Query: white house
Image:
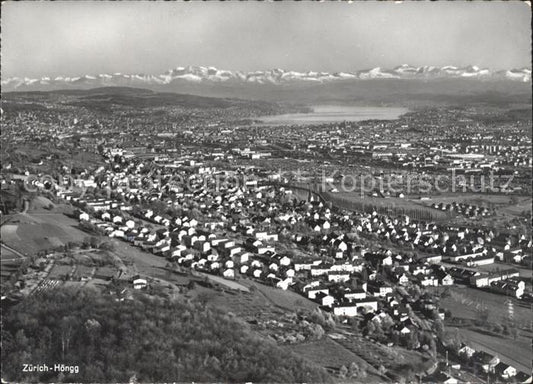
column 117, row 219
column 347, row 310
column 447, row 280
column 140, row 283
column 467, row 351
column 229, row 273
column 351, row 309
column 285, row 261
column 117, row 233
column 504, row 370
column 403, row 279
column 355, row 295
column 313, row 292
column 284, row 284
column 338, row 277
column 325, row 299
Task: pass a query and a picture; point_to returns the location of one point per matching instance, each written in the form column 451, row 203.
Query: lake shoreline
column 327, row 114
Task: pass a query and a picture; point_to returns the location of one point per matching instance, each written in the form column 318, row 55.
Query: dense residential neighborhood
column 266, row 192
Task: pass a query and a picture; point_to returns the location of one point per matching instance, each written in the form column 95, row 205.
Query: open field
column 508, row 211
column 524, row 271
column 8, row 255
column 392, row 205
column 58, row 272
column 144, row 262
column 288, row 300
column 220, row 280
column 522, row 205
column 241, row 304
column 479, row 199
column 466, row 303
column 32, row 232
column 135, row 260
column 11, row 261
column 40, row 204
column 504, row 205
column 74, row 284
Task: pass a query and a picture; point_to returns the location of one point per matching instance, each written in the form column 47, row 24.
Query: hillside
column 152, row 339
column 104, row 98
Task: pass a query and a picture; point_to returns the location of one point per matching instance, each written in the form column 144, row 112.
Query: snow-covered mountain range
column 211, row 75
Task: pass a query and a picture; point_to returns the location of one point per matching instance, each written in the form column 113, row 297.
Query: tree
column 438, row 327
column 414, row 291
column 330, row 322
column 195, row 214
column 482, row 315
column 315, row 331
column 317, row 316
column 67, row 325
column 364, row 275
column 203, row 298
column 387, row 322
column 406, row 372
column 355, row 371
column 412, row 340
column 343, row 371
column 22, row 340
column 354, row 323
column 94, row 242
column 353, row 236
column 107, row 246
column 395, row 337
column 369, row 329
column 445, row 293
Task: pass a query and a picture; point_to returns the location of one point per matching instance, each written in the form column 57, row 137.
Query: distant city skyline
column 73, row 38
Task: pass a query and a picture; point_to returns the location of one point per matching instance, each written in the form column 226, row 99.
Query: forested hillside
column 148, row 338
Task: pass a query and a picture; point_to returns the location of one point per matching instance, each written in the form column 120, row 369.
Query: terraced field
column 392, row 358
column 11, row 261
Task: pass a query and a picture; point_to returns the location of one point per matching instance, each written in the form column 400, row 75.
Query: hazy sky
column 73, row 38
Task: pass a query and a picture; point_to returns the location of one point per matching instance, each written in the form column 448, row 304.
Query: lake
column 335, row 113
